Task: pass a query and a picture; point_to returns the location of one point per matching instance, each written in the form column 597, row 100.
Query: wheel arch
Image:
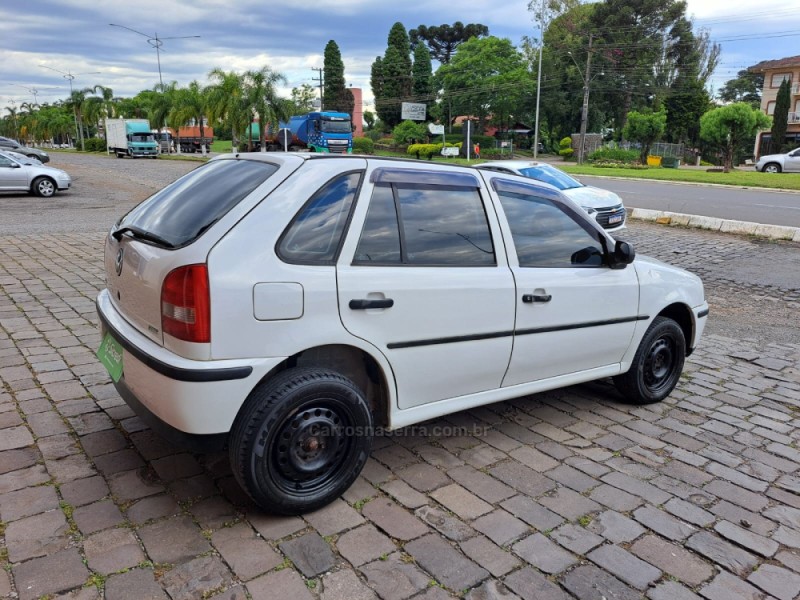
column 352, row 362
column 682, row 315
column 36, row 181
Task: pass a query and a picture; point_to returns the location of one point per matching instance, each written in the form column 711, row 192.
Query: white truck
column 130, row 137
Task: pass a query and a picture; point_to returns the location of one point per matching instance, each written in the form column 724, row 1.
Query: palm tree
column 191, row 103
column 97, row 108
column 263, row 98
column 75, row 101
column 162, row 105
column 227, row 102
column 12, row 118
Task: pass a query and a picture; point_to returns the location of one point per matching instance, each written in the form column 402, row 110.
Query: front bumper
column 174, row 394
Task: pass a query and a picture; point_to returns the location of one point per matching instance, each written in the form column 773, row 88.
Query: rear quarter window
column 185, row 209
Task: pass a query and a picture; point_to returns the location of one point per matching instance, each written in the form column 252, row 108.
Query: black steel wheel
column 657, row 364
column 300, row 440
column 44, row 187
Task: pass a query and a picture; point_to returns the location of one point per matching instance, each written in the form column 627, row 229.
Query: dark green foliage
column 336, row 97
column 746, row 87
column 409, row 132
column 565, row 148
column 645, row 127
column 391, row 77
column 363, row 145
column 608, row 153
column 422, row 75
column 687, row 102
column 780, row 117
column 95, row 145
column 442, row 40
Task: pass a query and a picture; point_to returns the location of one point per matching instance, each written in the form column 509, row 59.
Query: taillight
column 186, row 304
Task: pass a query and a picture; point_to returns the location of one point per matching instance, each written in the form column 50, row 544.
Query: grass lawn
column 221, row 146
column 781, row 181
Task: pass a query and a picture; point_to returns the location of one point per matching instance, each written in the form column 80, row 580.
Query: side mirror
column 623, row 255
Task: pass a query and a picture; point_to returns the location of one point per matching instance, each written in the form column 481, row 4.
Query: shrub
column 427, row 150
column 607, row 153
column 94, row 144
column 565, row 148
column 612, row 164
column 409, row 132
column 484, row 140
column 363, row 145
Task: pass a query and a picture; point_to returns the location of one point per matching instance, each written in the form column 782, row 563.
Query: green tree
column 336, row 96
column 303, row 99
column 422, row 74
column 369, row 118
column 687, row 101
column 728, row 127
column 391, row 76
column 409, row 132
column 485, row 76
column 162, row 105
column 443, row 40
column 262, row 99
column 780, row 118
column 745, row 87
column 227, row 103
column 190, row 105
column 645, row 127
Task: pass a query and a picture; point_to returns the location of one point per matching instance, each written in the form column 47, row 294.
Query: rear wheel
column 657, row 364
column 772, row 168
column 300, row 440
column 43, row 187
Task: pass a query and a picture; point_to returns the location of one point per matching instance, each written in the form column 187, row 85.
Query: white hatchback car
column 603, row 205
column 285, row 305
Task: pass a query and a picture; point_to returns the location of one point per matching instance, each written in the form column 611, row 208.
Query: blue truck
column 130, row 137
column 316, row 132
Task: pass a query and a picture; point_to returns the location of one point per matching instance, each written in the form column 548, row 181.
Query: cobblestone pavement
column 569, row 494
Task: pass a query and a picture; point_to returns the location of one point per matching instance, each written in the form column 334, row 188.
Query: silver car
column 22, row 174
column 13, row 145
column 603, row 205
column 777, row 163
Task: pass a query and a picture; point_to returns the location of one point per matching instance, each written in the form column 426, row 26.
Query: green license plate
column 110, row 354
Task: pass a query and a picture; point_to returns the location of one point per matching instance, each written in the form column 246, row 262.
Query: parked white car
column 605, row 206
column 777, row 163
column 288, row 304
column 19, row 173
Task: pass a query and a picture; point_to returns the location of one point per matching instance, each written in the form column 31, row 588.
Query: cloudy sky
column 74, row 36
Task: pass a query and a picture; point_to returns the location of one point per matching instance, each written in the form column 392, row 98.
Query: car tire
column 44, row 187
column 300, row 440
column 657, row 364
column 771, row 168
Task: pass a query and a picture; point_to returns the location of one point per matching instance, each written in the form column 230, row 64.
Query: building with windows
column 775, row 72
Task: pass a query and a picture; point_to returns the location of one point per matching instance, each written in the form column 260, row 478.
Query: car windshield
column 551, row 175
column 142, row 137
column 183, row 210
column 329, row 126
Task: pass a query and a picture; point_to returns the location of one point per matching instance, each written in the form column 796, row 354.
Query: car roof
column 513, row 164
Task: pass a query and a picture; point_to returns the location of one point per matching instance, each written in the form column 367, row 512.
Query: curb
column 662, row 217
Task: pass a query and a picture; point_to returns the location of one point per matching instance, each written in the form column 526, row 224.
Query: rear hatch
column 178, row 226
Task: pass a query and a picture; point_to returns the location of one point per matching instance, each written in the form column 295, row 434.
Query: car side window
column 5, row 162
column 315, row 234
column 546, row 235
column 426, row 225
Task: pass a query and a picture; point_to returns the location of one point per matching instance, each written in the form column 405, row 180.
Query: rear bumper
column 176, row 396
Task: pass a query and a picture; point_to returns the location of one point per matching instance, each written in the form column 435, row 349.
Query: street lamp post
column 69, row 76
column 156, row 42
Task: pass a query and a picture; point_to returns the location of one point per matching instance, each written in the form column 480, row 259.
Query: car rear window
column 183, row 210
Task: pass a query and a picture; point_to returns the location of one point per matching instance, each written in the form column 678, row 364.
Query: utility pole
column 321, row 80
column 539, row 82
column 585, row 110
column 156, row 42
column 69, row 76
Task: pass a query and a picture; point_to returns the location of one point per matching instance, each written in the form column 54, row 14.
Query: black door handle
column 536, row 298
column 364, row 304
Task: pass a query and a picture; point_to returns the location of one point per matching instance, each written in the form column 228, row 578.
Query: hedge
column 427, row 150
column 94, row 144
column 607, row 153
column 363, row 145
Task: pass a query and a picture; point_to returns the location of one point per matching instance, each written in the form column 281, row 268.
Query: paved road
column 754, row 205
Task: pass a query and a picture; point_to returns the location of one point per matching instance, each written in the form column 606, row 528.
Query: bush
column 363, row 145
column 484, row 140
column 409, row 132
column 427, row 150
column 94, row 144
column 565, row 148
column 612, row 164
column 608, row 153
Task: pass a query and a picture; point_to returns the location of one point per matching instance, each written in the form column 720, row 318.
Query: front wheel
column 300, row 440
column 772, row 168
column 657, row 364
column 43, row 187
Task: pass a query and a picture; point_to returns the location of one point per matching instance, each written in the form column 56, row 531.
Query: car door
column 792, row 162
column 573, row 312
column 12, row 175
column 421, row 277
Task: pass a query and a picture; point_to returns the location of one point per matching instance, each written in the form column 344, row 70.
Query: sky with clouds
column 74, row 36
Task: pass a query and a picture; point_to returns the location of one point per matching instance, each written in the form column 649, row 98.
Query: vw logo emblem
column 118, row 261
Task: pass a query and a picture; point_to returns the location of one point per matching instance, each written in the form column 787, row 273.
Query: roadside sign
column 436, row 129
column 450, row 151
column 411, row 111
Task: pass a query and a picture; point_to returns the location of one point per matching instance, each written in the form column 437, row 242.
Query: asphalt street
column 739, row 204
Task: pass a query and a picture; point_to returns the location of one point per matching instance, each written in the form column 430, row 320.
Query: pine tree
column 336, row 97
column 422, row 74
column 391, row 77
column 780, row 117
